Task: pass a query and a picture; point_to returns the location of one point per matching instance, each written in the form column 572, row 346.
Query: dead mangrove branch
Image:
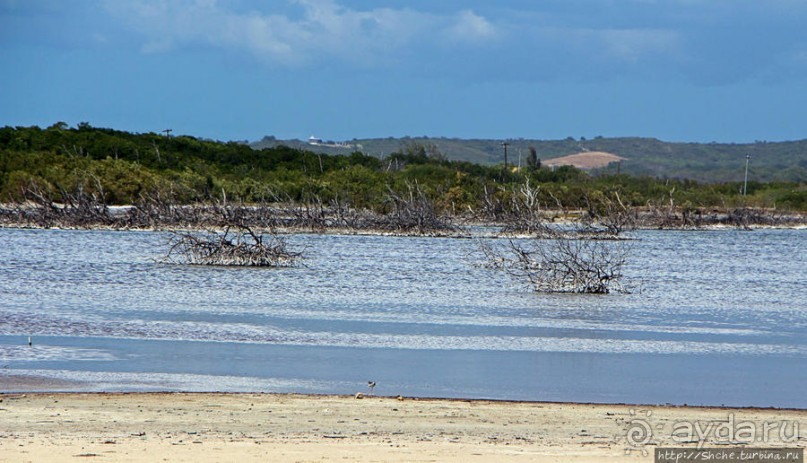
column 234, row 246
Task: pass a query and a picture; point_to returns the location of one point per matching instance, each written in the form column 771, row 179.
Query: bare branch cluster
column 525, row 213
column 520, row 209
column 562, row 264
column 235, row 246
column 81, row 206
column 671, row 215
column 411, row 211
column 610, row 214
column 605, row 218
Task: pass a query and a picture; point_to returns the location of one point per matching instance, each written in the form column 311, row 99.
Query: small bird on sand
column 371, row 385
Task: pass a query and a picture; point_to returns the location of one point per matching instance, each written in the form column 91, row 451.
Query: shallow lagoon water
column 718, row 318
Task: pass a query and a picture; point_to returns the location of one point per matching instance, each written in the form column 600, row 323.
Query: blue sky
column 679, row 70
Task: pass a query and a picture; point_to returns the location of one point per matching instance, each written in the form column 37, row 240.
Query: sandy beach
column 212, row 427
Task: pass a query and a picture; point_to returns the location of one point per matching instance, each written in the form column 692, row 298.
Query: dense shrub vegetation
column 127, row 168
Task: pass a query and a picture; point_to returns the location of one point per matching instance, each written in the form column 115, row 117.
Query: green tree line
column 129, row 166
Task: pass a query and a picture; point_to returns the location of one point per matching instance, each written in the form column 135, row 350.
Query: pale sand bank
column 178, row 427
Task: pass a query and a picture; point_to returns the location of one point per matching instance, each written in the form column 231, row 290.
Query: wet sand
column 17, row 382
column 208, row 427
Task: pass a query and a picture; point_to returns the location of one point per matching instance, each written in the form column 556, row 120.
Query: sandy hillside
column 290, row 428
column 587, row 160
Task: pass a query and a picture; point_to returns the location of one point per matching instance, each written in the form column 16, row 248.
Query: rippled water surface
column 719, row 317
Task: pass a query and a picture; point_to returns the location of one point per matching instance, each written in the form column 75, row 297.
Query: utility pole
column 745, row 182
column 505, row 145
column 167, row 133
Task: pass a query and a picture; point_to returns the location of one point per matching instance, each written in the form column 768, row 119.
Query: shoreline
column 286, row 219
column 203, row 427
column 462, row 233
column 12, row 383
column 43, row 385
column 30, row 384
column 12, row 394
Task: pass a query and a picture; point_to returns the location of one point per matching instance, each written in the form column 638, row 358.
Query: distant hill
column 707, row 162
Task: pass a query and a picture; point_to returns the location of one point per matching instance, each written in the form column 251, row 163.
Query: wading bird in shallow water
column 371, row 385
column 30, row 343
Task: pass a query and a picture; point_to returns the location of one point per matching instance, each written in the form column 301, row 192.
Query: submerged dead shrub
column 562, row 264
column 235, row 246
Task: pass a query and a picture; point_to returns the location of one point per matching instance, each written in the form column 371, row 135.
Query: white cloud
column 619, row 46
column 631, row 45
column 324, row 29
column 694, row 39
column 471, row 27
